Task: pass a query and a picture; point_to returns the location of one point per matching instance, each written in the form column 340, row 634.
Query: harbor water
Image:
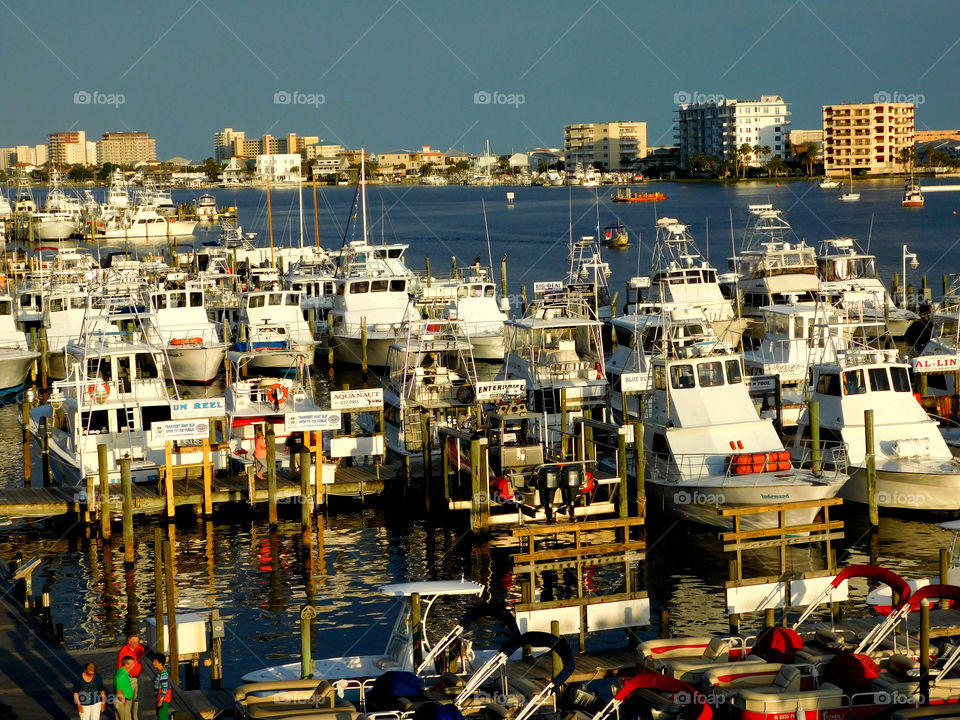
column 256, row 576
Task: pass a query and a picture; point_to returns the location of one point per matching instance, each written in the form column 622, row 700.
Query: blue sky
column 401, row 73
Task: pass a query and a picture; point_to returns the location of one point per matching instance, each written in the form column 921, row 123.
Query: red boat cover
column 852, row 672
column 777, row 645
column 875, row 572
column 653, row 681
column 928, row 592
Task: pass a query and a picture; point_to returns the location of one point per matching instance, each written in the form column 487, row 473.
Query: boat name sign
column 634, row 382
column 208, row 407
column 936, row 363
column 312, row 421
column 761, row 383
column 547, row 286
column 497, row 390
column 354, row 399
column 181, row 430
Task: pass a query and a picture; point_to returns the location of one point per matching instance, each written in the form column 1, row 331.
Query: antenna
column 870, row 233
column 486, row 231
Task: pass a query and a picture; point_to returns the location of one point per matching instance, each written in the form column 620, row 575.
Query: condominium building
column 223, row 143
column 29, row 154
column 126, row 148
column 806, row 137
column 230, row 143
column 610, row 145
column 720, row 128
column 68, row 148
column 866, row 137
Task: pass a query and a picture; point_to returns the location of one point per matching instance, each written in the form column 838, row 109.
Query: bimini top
column 433, row 587
column 951, row 525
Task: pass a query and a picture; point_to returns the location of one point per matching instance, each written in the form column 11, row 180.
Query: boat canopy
column 432, row 588
column 665, row 683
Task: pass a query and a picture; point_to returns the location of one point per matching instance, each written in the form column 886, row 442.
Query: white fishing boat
column 16, row 358
column 848, row 277
column 430, row 372
column 470, row 298
column 557, row 350
column 912, row 194
column 143, row 222
column 915, row 469
column 207, row 209
column 272, row 320
column 60, row 216
column 591, row 177
column 398, row 654
column 707, row 449
column 64, row 307
column 829, row 184
column 182, row 328
column 114, row 392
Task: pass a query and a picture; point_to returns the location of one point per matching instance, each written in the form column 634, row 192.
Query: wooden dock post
column 734, row 617
column 640, row 468
column 307, row 613
column 171, row 595
column 622, row 472
column 363, row 344
column 416, row 625
column 158, row 587
column 44, row 359
column 216, row 651
column 44, row 431
column 480, row 486
column 127, row 487
column 168, row 491
column 925, row 652
column 871, row 467
column 664, row 623
column 523, row 299
column 814, row 407
column 25, row 410
column 896, row 290
column 944, row 574
column 306, row 497
column 426, row 447
column 503, row 276
column 102, row 464
column 556, row 664
column 426, row 263
column 946, row 285
column 271, row 440
column 208, row 471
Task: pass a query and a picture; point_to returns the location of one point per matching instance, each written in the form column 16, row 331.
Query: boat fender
column 740, row 444
column 465, row 394
column 590, row 485
column 277, row 394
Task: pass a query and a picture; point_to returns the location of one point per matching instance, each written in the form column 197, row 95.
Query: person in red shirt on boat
column 135, row 650
column 260, row 453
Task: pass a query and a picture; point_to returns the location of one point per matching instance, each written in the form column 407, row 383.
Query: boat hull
column 348, row 350
column 199, row 364
column 14, row 368
column 283, row 359
column 174, row 228
column 702, row 502
column 55, row 229
column 488, row 348
column 920, row 491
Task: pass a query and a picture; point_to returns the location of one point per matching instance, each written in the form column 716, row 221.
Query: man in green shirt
column 123, row 690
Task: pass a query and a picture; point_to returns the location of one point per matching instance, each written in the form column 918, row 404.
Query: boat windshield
column 852, row 268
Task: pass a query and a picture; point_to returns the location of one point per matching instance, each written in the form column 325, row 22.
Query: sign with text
column 547, row 286
column 172, row 430
column 199, row 408
column 352, row 399
column 313, row 420
column 761, row 383
column 495, row 390
column 936, row 363
column 634, row 382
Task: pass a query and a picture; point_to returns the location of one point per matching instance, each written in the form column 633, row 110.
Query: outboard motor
column 548, row 482
column 571, row 478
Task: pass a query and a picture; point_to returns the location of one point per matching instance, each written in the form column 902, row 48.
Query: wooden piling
column 944, row 574
column 427, row 449
column 622, row 472
column 208, row 471
column 871, row 467
column 734, row 570
column 44, row 431
column 306, row 497
column 664, row 623
column 271, row 440
column 102, row 464
column 127, row 487
column 503, row 277
column 363, row 344
column 523, row 299
column 426, row 261
column 416, row 625
column 640, row 468
column 556, row 664
column 307, row 613
column 924, row 652
column 216, row 651
column 769, row 617
column 25, row 416
column 158, row 587
column 480, row 501
column 44, row 359
column 168, row 491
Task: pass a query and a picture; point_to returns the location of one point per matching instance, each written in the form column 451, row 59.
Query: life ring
column 465, row 394
column 92, row 390
column 277, row 393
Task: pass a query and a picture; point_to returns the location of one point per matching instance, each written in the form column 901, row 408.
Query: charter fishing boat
column 430, row 372
column 191, row 341
column 912, row 194
column 829, row 184
column 469, row 297
column 113, row 393
column 848, row 276
column 556, row 348
column 707, row 449
column 207, row 209
column 272, row 320
column 16, row 357
column 60, row 216
column 143, row 222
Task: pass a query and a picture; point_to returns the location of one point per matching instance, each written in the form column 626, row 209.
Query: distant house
column 519, row 161
column 179, row 161
column 234, row 172
column 278, row 168
column 324, row 167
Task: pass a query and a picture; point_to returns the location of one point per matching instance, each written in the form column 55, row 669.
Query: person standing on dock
column 161, row 685
column 260, row 453
column 89, row 694
column 123, row 692
column 133, row 649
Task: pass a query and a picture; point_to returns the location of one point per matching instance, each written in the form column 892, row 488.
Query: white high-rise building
column 719, row 128
column 612, row 145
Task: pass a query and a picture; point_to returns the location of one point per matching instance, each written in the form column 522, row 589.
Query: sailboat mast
column 270, row 219
column 363, row 192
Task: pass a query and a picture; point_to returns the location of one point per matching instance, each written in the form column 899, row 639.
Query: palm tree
column 907, row 156
column 775, row 165
column 812, row 156
column 764, row 151
column 744, row 153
